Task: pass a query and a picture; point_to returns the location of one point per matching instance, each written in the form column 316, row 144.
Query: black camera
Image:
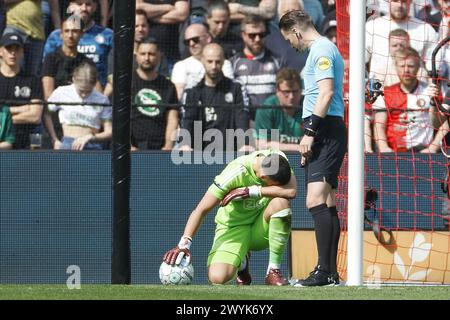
column 374, row 84
column 374, row 88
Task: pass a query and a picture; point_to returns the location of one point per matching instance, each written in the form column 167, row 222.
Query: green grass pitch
column 227, row 292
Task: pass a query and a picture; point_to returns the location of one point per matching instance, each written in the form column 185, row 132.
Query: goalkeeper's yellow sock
column 279, row 231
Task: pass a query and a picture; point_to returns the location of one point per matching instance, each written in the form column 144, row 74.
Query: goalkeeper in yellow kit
column 254, row 193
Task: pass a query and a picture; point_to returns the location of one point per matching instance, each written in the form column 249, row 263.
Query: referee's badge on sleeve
column 324, row 63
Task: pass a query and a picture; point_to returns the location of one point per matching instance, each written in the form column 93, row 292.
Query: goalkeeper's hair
column 276, row 168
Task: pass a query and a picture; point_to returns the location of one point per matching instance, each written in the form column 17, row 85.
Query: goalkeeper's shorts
column 232, row 243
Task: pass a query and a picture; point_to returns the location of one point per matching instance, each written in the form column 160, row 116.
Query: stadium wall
column 55, row 212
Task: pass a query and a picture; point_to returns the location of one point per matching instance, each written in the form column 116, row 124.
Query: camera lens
column 377, row 85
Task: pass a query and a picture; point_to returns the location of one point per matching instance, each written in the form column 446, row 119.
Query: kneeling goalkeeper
column 254, row 193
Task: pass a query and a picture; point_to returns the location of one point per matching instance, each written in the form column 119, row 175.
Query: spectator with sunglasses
column 255, row 68
column 241, row 9
column 190, row 71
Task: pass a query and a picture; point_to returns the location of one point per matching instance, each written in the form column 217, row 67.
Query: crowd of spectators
column 218, row 63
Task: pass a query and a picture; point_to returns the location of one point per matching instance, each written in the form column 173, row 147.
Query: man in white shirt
column 423, row 38
column 190, row 71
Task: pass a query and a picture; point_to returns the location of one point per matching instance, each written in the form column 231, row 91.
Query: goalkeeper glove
column 241, row 193
column 175, row 255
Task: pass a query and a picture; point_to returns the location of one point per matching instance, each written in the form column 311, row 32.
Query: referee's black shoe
column 335, row 277
column 317, row 277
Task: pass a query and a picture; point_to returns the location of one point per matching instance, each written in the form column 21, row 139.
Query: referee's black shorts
column 328, row 151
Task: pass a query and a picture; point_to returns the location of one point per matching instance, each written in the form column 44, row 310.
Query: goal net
column 406, row 229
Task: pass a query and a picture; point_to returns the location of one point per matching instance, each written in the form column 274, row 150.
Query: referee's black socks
column 335, row 234
column 323, row 228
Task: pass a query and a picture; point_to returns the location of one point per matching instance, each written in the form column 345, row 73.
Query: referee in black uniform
column 325, row 142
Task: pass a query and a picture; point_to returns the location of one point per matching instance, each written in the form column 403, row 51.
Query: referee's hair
column 276, row 168
column 295, row 18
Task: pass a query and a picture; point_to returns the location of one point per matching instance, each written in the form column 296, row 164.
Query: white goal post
column 356, row 143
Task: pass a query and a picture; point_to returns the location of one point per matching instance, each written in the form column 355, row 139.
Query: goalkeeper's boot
column 318, row 277
column 243, row 277
column 275, row 278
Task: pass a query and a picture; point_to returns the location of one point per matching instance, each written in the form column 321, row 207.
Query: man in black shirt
column 152, row 126
column 26, row 90
column 214, row 92
column 58, row 65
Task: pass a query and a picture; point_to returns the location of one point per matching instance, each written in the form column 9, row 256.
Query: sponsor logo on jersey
column 242, row 67
column 323, row 63
column 421, row 103
column 229, row 97
column 100, row 39
column 150, row 97
column 269, row 67
column 24, row 92
column 87, row 48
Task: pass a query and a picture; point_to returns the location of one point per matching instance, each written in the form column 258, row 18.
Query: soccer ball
column 180, row 274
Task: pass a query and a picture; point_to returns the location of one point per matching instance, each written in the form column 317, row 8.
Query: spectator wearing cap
column 22, row 91
column 25, row 18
